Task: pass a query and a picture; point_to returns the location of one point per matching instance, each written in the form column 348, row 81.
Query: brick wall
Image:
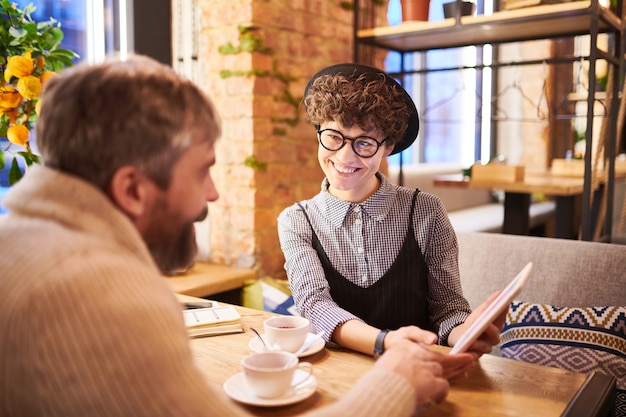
column 282, row 168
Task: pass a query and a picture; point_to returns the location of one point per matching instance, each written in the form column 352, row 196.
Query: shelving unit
column 532, row 23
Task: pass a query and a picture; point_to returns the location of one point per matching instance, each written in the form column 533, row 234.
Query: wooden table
column 207, row 279
column 518, row 198
column 495, row 387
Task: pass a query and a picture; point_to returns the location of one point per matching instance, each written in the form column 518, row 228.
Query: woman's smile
column 343, row 169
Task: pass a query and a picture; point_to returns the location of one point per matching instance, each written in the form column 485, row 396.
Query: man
column 87, row 325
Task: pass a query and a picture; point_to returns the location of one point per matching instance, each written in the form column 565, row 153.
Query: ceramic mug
column 270, row 374
column 286, row 332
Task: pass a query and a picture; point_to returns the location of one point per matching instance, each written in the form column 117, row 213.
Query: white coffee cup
column 286, row 332
column 270, row 374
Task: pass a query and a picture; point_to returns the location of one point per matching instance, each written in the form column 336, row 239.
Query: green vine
column 250, row 42
column 252, row 162
column 286, row 97
column 249, row 73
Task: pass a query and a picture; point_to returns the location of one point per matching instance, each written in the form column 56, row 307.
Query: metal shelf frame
column 551, row 21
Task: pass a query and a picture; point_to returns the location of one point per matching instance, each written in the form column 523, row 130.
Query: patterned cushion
column 575, row 339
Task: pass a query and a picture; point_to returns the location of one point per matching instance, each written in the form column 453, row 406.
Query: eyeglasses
column 364, row 146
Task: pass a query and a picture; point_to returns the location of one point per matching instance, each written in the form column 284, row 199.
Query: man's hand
column 454, row 367
column 421, row 367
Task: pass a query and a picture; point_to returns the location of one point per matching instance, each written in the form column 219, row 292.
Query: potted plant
column 415, row 10
column 30, row 53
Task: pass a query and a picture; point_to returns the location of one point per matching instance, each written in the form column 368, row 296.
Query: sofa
column 571, row 313
column 567, row 272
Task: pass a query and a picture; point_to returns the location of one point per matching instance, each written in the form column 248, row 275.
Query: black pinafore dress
column 397, row 299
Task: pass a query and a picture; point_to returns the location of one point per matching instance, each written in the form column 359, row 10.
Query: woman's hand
column 489, row 338
column 410, row 333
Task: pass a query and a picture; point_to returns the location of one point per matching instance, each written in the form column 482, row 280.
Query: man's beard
column 175, row 255
column 173, row 247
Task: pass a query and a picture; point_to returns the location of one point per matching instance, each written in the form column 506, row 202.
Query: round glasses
column 364, row 146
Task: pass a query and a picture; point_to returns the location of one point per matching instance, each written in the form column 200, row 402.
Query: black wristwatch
column 379, row 344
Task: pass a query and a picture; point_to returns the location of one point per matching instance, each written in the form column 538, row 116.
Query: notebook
column 215, row 320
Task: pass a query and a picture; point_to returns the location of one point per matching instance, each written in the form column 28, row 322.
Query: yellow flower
column 24, row 71
column 18, row 134
column 20, row 66
column 7, row 75
column 29, row 87
column 9, row 99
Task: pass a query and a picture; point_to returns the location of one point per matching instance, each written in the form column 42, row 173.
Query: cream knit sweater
column 89, row 328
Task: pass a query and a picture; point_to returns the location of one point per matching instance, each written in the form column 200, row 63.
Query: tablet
column 497, row 307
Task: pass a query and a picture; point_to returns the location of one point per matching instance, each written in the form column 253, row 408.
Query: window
column 92, row 28
column 454, row 120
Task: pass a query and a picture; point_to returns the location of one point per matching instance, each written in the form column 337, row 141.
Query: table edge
column 594, row 398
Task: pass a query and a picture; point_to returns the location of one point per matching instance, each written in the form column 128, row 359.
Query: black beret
column 356, row 70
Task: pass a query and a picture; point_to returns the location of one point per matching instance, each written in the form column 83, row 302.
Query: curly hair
column 371, row 104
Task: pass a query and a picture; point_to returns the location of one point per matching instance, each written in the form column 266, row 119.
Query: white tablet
column 497, row 307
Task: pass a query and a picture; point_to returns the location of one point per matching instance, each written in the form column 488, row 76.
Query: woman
column 369, row 262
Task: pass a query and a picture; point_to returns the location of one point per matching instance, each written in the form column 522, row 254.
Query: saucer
column 237, row 389
column 255, row 345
